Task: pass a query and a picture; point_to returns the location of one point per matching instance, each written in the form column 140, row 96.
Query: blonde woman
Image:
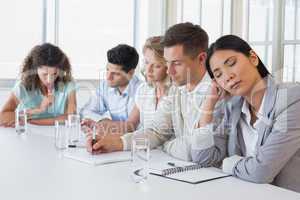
column 157, row 83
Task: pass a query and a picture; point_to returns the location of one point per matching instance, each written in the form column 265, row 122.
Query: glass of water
column 61, row 134
column 74, row 128
column 140, row 155
column 21, row 121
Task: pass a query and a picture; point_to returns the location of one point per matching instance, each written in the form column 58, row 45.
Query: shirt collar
column 246, row 111
column 203, row 85
column 128, row 88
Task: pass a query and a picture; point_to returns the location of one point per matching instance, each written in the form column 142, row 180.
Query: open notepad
column 186, row 172
column 81, row 154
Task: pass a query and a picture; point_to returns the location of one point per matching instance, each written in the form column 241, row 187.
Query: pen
column 93, row 137
column 174, row 165
column 75, row 146
column 171, row 164
column 49, row 85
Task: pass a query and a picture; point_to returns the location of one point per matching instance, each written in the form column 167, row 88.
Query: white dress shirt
column 250, row 136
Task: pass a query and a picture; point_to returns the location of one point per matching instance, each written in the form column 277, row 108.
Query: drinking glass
column 21, row 121
column 140, row 154
column 74, row 128
column 61, row 134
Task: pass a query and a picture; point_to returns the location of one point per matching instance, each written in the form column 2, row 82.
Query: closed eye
column 230, row 62
column 157, row 66
column 177, row 63
column 218, row 75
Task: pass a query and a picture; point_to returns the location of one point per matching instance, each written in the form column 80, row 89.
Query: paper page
column 82, row 155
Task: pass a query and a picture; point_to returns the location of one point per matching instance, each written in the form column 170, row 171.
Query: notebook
column 186, row 172
column 81, row 154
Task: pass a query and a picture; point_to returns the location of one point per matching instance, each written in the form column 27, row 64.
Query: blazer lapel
column 233, row 143
column 266, row 121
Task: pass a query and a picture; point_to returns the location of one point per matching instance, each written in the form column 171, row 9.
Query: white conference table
column 31, row 168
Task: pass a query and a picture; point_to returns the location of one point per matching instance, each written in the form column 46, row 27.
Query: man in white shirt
column 174, row 125
column 114, row 98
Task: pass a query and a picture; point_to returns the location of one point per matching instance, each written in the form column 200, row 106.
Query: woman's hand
column 46, row 102
column 9, row 120
column 216, row 93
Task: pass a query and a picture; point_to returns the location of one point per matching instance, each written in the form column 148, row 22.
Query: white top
column 32, row 169
column 250, row 133
column 250, row 136
column 145, row 100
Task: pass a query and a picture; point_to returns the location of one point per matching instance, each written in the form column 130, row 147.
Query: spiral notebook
column 186, row 172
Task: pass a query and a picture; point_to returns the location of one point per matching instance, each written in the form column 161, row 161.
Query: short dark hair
column 48, row 55
column 235, row 43
column 193, row 38
column 123, row 55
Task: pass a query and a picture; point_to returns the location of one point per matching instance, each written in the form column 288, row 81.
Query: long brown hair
column 45, row 55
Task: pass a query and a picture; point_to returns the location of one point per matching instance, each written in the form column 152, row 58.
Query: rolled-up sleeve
column 159, row 131
column 209, row 143
column 96, row 109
